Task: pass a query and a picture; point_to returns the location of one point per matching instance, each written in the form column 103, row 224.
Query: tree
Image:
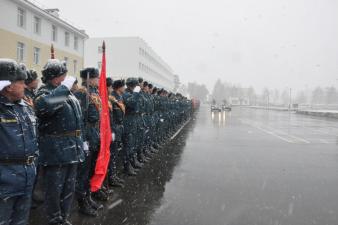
column 331, row 95
column 285, row 97
column 197, row 91
column 318, row 96
column 301, row 98
column 251, row 95
column 218, row 92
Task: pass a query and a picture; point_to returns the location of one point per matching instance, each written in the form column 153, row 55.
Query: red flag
column 105, row 131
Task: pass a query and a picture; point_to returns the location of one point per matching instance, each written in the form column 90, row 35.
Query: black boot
column 141, row 158
column 148, row 154
column 66, row 222
column 155, row 145
column 85, row 207
column 153, row 150
column 94, row 204
column 135, row 163
column 129, row 170
column 100, row 195
column 114, row 181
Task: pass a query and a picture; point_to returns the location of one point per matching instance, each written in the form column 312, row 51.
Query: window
column 54, row 33
column 100, row 49
column 20, row 52
column 76, row 43
column 66, row 60
column 67, row 38
column 75, row 66
column 21, row 18
column 37, row 25
column 36, row 56
column 99, row 64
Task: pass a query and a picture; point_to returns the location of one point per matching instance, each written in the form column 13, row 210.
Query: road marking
column 274, row 134
column 179, row 130
column 265, row 131
column 294, row 137
column 114, row 204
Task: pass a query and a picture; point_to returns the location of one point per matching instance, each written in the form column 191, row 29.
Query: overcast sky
column 278, row 44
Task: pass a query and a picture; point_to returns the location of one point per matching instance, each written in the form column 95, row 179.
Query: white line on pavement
column 114, row 204
column 265, row 131
column 179, row 130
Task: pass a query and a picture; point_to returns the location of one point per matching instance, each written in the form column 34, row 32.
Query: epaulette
column 82, row 90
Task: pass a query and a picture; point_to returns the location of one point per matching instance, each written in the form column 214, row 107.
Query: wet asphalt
column 245, row 167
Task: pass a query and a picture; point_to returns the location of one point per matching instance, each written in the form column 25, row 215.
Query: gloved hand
column 113, row 136
column 86, row 147
column 69, row 81
column 137, row 89
column 4, row 83
column 161, row 120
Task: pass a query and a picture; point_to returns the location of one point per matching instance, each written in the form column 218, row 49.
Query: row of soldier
column 54, row 130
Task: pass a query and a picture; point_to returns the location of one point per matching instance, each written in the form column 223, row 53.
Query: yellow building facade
column 27, row 32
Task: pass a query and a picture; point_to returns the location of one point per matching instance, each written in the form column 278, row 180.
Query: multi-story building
column 130, row 57
column 27, row 32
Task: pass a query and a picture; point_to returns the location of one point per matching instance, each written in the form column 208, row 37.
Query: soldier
column 144, row 123
column 90, row 102
column 131, row 123
column 32, row 84
column 152, row 145
column 17, row 154
column 60, row 139
column 148, row 120
column 117, row 111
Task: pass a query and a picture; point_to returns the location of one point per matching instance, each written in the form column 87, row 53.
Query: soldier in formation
column 66, row 139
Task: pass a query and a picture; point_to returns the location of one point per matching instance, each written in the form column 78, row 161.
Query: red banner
column 103, row 158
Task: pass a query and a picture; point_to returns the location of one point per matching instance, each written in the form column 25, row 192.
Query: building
column 28, row 30
column 130, row 57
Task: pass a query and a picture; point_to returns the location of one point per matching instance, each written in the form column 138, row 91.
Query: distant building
column 28, row 30
column 130, row 57
column 239, row 101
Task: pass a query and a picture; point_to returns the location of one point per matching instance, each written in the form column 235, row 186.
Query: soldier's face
column 34, row 84
column 58, row 80
column 16, row 90
column 110, row 89
column 94, row 82
column 121, row 90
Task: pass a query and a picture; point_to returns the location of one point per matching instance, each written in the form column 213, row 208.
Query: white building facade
column 27, row 32
column 130, row 57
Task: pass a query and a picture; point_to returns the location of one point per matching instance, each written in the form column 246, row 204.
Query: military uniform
column 60, row 141
column 18, row 151
column 91, row 106
column 131, row 125
column 117, row 111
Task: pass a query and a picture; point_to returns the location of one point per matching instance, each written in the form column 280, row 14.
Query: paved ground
column 246, row 167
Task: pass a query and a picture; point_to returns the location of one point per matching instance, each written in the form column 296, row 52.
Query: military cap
column 31, row 76
column 53, row 68
column 118, row 83
column 109, row 82
column 91, row 71
column 11, row 70
column 140, row 79
column 131, row 81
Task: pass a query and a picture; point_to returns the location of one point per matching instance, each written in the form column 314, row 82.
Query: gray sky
column 286, row 43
